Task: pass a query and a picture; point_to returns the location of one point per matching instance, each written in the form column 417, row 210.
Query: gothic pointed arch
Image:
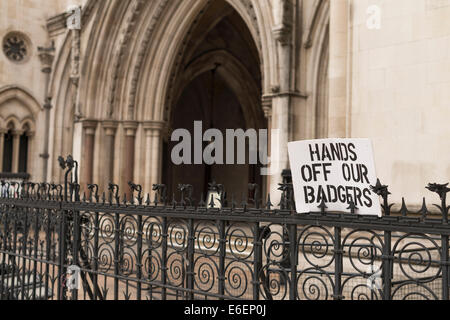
column 18, row 115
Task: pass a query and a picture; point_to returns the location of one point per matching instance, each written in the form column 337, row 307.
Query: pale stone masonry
column 312, row 68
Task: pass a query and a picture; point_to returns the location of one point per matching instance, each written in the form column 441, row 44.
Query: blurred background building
column 111, row 91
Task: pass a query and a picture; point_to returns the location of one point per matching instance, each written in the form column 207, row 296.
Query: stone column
column 16, row 149
column 89, row 128
column 267, row 108
column 2, row 147
column 281, row 111
column 110, row 128
column 31, row 135
column 153, row 153
column 338, row 99
column 46, row 54
column 130, row 128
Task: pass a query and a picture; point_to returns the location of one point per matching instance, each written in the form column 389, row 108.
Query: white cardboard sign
column 337, row 171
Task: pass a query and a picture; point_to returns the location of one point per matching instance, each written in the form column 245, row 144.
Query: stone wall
column 400, row 90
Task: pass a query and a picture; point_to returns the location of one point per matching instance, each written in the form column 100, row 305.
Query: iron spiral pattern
column 177, row 241
column 274, row 275
column 29, row 251
column 205, row 245
column 238, row 265
column 363, row 254
column 159, row 249
column 417, row 268
column 316, row 263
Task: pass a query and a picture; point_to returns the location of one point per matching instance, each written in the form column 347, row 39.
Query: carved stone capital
column 31, row 134
column 267, row 107
column 89, row 127
column 110, row 127
column 154, row 125
column 46, row 56
column 17, row 133
column 130, row 128
column 89, row 123
column 283, row 30
column 48, row 103
column 283, row 34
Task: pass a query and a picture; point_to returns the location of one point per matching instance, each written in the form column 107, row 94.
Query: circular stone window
column 16, row 47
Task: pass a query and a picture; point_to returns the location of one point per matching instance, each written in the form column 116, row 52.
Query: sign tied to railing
column 336, row 172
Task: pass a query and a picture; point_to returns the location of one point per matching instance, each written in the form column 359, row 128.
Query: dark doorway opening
column 218, row 84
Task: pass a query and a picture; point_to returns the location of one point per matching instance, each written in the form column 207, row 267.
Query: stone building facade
column 112, row 91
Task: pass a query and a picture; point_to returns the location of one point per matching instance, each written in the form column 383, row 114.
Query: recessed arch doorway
column 218, row 83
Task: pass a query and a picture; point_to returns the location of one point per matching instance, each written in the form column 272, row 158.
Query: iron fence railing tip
column 404, row 209
column 201, row 204
column 211, row 202
column 322, row 207
column 269, row 204
column 174, row 202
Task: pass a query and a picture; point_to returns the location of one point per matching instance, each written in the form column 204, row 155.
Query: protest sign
column 335, row 171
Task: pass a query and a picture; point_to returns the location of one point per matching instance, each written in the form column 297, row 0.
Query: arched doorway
column 217, row 83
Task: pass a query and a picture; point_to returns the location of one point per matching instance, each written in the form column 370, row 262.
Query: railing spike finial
column 93, row 188
column 223, row 199
column 211, row 203
column 244, row 202
column 323, row 206
column 125, row 199
column 424, row 210
column 269, row 204
column 160, row 190
column 114, row 192
column 253, row 187
column 174, row 201
column 138, row 188
column 155, row 199
column 103, row 197
column 147, row 201
column 382, row 190
column 186, row 193
column 201, row 204
column 404, row 209
column 233, row 202
column 352, row 207
column 441, row 190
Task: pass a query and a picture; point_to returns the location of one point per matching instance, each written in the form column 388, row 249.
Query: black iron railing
column 161, row 249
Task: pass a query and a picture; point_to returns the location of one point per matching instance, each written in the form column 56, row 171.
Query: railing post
column 257, row 259
column 338, row 264
column 444, row 265
column 24, row 253
column 75, row 247
column 3, row 287
column 14, row 250
column 164, row 259
column 62, row 255
column 387, row 268
column 139, row 256
column 48, row 251
column 222, row 254
column 97, row 292
column 35, row 249
column 293, row 261
column 117, row 256
column 190, row 260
